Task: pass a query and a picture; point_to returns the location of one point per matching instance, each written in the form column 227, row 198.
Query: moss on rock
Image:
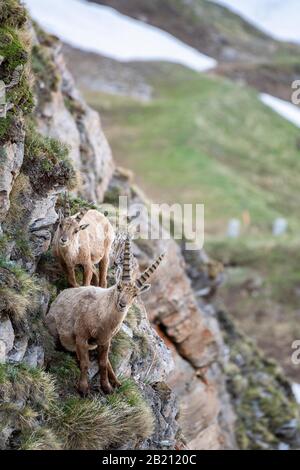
column 18, row 292
column 46, row 162
column 267, row 413
column 13, row 14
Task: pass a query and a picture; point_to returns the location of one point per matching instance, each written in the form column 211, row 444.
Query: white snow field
column 278, row 18
column 101, row 29
column 296, row 391
column 287, row 110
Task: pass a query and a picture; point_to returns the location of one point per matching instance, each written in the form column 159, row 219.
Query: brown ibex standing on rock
column 88, row 317
column 86, row 243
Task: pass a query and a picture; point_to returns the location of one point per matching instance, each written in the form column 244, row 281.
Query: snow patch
column 296, row 391
column 278, row 18
column 103, row 30
column 287, row 110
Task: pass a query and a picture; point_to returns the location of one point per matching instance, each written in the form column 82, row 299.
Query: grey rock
column 283, row 446
column 288, row 430
column 11, row 159
column 19, row 349
column 7, row 337
column 34, row 356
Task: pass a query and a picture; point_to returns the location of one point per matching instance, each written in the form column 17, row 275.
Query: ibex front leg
column 112, row 376
column 71, row 277
column 103, row 367
column 82, row 351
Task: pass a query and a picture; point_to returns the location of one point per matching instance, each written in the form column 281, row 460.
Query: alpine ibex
column 84, row 242
column 88, row 317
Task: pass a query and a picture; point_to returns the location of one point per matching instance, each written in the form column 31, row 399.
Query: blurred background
column 195, row 98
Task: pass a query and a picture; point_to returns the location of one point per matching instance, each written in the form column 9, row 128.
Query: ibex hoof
column 83, row 389
column 115, row 383
column 107, row 388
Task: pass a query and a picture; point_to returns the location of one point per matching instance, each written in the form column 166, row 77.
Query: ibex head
column 68, row 229
column 127, row 289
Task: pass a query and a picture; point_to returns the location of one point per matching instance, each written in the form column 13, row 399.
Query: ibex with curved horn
column 88, row 317
column 83, row 240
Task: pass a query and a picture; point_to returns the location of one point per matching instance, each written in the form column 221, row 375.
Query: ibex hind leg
column 103, row 268
column 112, row 376
column 103, row 368
column 95, row 278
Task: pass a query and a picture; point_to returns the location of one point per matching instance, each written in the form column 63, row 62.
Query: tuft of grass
column 21, row 382
column 74, row 107
column 18, row 292
column 76, row 204
column 4, row 245
column 44, row 68
column 5, row 126
column 46, row 161
column 121, row 343
column 20, row 189
column 42, row 438
column 45, row 72
column 65, row 369
column 13, row 51
column 93, row 424
column 15, row 54
column 133, row 317
column 12, row 13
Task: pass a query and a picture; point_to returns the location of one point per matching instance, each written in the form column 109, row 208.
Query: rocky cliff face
column 180, row 380
column 58, row 146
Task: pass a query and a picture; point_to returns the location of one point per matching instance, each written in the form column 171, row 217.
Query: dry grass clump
column 23, row 383
column 18, row 292
column 21, row 190
column 12, row 13
column 26, row 397
column 95, row 424
column 42, row 438
column 120, row 345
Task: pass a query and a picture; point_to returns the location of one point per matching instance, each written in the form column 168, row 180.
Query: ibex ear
column 144, row 289
column 83, row 226
column 76, row 216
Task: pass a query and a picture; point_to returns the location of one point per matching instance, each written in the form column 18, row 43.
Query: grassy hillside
column 203, row 139
column 211, row 28
column 262, row 290
column 243, row 52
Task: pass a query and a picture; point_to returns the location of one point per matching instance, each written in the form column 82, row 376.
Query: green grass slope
column 262, row 290
column 203, row 139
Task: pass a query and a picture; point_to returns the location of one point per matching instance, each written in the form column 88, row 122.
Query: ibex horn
column 66, row 206
column 149, row 271
column 126, row 272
